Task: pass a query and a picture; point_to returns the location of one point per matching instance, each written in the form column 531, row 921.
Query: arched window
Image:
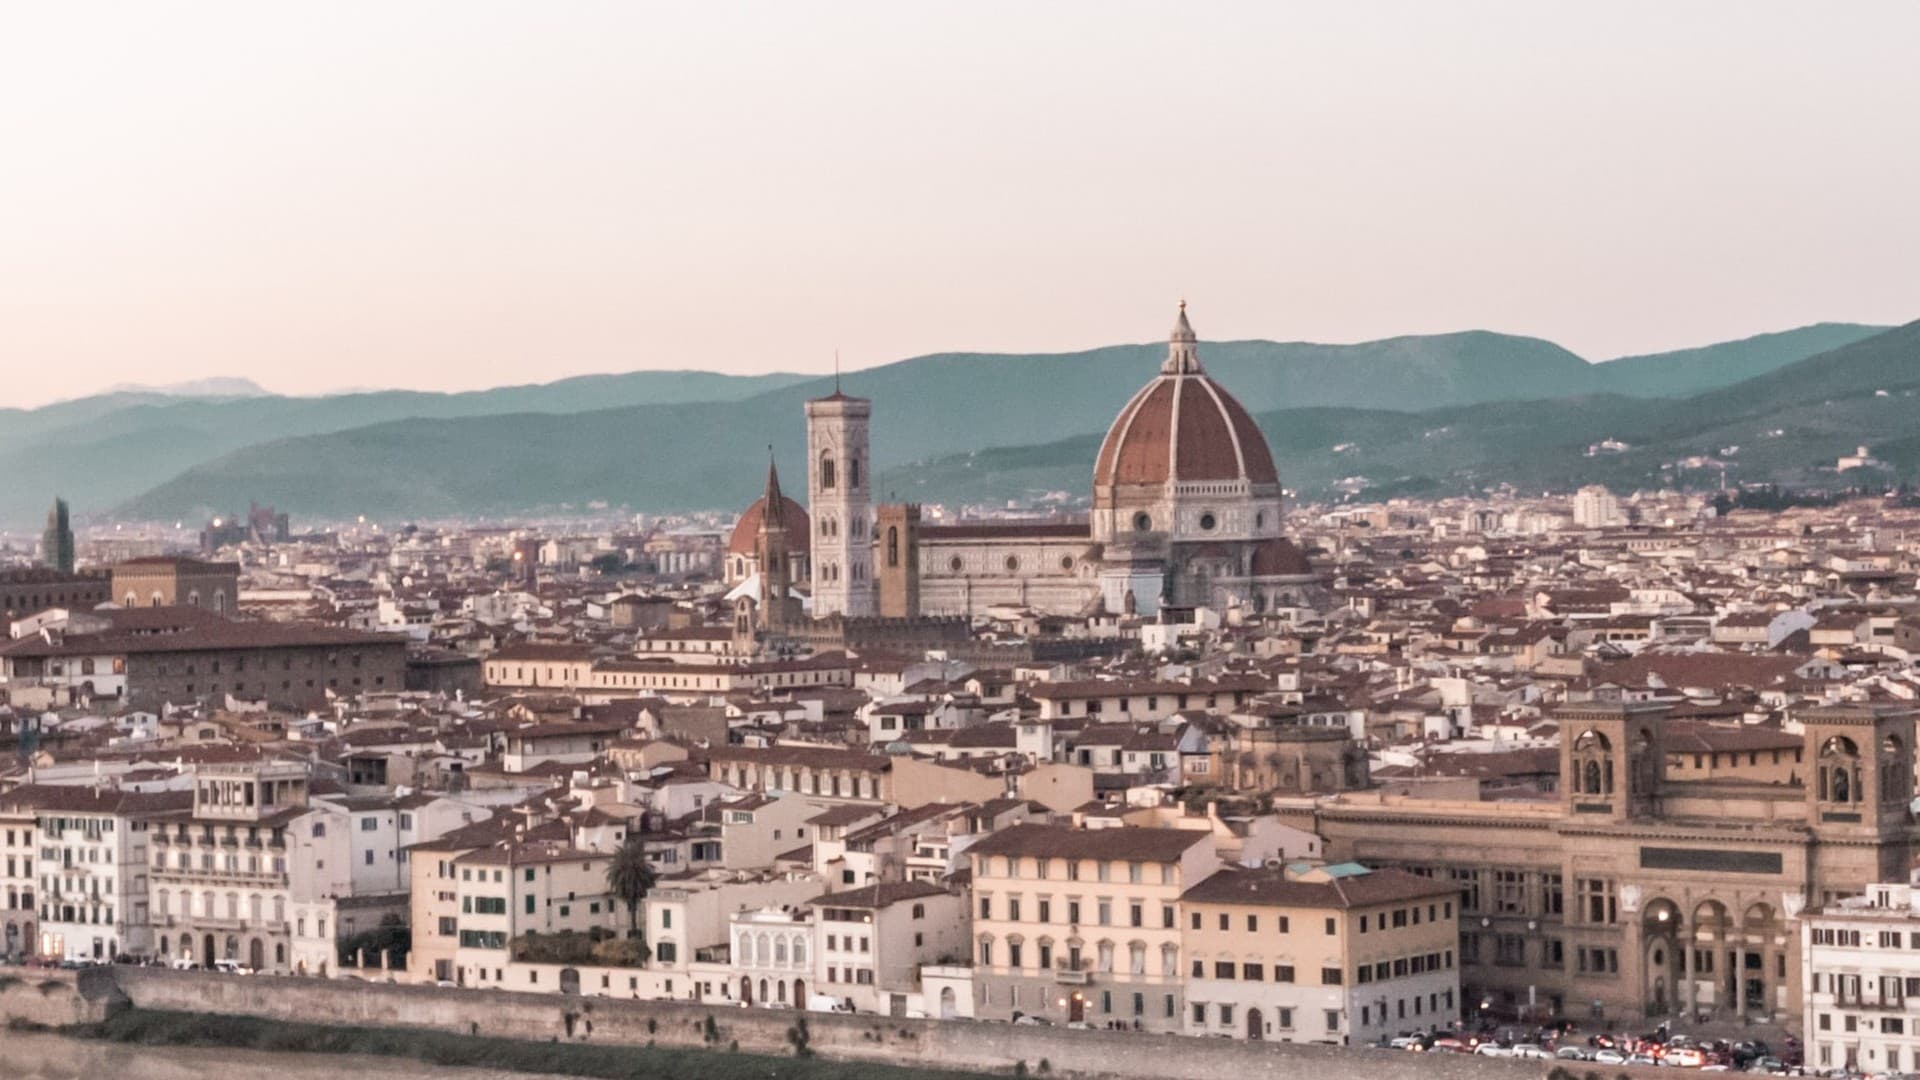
column 893, row 545
column 1592, row 764
column 827, row 476
column 1839, row 770
column 853, row 474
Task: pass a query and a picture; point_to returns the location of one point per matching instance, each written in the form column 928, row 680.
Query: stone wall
column 987, row 1047
column 52, row 998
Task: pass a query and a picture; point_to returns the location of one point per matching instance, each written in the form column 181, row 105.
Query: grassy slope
column 156, row 1028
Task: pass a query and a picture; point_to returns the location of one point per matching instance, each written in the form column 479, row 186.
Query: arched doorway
column 746, row 990
column 1662, row 963
column 949, row 1008
column 1256, row 1029
column 1761, row 960
column 208, row 955
column 569, row 980
column 763, row 990
column 1711, row 974
column 257, row 955
column 186, row 949
column 799, row 993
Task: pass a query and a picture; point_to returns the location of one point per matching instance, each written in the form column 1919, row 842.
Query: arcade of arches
column 1639, row 896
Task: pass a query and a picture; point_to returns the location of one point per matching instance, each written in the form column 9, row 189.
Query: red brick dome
column 747, row 530
column 1183, row 427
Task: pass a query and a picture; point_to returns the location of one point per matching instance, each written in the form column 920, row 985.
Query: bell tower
column 840, row 502
column 1612, row 758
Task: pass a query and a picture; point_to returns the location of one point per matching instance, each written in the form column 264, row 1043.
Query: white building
column 91, row 868
column 1860, row 973
column 1594, row 507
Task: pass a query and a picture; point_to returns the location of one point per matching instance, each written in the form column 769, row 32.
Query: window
column 1223, row 969
column 1283, row 973
column 1330, row 976
column 1597, row 901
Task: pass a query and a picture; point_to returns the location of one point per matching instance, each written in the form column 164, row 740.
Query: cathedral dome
column 793, row 515
column 1182, row 427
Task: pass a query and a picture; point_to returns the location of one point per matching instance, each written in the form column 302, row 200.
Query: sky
column 450, row 195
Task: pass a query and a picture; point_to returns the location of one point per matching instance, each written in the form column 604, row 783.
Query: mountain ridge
column 668, row 458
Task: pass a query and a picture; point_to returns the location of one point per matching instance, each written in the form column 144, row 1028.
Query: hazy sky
column 460, row 194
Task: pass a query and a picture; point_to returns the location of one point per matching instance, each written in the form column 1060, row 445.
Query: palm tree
column 630, row 879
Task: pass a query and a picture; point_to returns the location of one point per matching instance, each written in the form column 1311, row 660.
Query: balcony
column 1068, row 975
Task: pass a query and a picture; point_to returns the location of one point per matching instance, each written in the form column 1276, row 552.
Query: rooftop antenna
column 836, row 371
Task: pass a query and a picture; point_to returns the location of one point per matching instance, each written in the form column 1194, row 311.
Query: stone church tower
column 840, row 504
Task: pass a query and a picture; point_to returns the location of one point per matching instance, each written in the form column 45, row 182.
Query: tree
column 610, row 563
column 630, row 879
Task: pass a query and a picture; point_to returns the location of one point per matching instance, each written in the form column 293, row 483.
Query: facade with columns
column 1636, row 896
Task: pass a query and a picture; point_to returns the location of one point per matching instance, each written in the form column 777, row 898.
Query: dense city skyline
column 440, row 200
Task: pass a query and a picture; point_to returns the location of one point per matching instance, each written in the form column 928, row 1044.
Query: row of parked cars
column 1663, row 1049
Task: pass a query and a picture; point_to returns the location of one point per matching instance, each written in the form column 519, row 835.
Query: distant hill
column 1692, row 371
column 102, row 450
column 1448, row 412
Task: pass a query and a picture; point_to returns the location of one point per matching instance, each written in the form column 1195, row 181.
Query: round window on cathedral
column 1142, row 522
column 1207, row 522
column 1066, row 562
column 954, row 564
column 1013, row 564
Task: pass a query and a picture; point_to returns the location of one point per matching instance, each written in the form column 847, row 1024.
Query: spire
column 1183, row 353
column 774, row 505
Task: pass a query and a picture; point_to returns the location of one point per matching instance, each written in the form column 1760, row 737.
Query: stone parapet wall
column 987, row 1047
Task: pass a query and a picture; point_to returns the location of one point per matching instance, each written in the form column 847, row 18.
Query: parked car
column 1492, row 1050
column 1609, row 1057
column 1573, row 1053
column 1529, row 1052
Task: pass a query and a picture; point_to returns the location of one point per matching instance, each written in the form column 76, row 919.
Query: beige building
column 1635, row 895
column 511, row 890
column 1340, row 955
column 169, row 581
column 1082, row 925
column 16, row 881
column 874, row 940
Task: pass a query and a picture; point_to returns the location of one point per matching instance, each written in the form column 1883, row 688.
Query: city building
column 1336, row 954
column 1860, row 970
column 1082, row 925
column 170, row 580
column 1635, row 896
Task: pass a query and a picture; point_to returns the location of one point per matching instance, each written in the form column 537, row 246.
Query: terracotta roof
column 1183, row 426
column 133, row 631
column 1060, row 841
column 879, row 896
column 1277, row 557
column 1272, row 888
column 1011, row 530
column 747, row 530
